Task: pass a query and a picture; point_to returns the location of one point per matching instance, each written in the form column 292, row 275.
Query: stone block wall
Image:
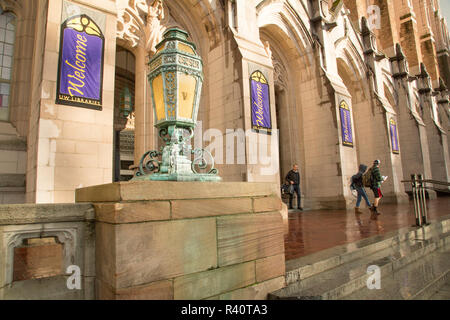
column 187, row 240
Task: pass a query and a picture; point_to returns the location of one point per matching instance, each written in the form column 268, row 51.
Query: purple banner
column 260, row 101
column 346, row 124
column 80, row 72
column 394, row 136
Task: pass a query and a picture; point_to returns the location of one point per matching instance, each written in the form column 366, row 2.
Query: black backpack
column 367, row 178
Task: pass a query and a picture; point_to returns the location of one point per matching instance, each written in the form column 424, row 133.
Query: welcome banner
column 259, row 91
column 346, row 124
column 80, row 71
column 394, row 136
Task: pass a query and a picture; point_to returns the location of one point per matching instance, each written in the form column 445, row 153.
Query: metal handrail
column 418, row 185
column 432, row 181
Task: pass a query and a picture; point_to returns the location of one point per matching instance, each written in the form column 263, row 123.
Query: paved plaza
column 316, row 230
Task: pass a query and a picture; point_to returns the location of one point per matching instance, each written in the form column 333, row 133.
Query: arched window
column 7, row 37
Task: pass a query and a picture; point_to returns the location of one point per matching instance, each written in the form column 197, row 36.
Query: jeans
column 291, row 196
column 362, row 194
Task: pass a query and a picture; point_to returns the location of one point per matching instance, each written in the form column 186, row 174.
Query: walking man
column 357, row 183
column 293, row 178
column 377, row 180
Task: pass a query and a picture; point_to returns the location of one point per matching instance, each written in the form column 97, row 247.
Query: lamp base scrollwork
column 176, row 164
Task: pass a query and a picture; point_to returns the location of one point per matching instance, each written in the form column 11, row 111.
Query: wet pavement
column 316, row 230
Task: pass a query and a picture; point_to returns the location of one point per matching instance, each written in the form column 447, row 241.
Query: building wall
column 73, row 145
column 314, row 54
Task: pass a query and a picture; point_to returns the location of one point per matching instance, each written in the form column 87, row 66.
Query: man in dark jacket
column 357, row 184
column 377, row 180
column 293, row 178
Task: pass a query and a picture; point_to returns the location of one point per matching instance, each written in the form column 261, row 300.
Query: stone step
column 349, row 277
column 304, row 267
column 8, row 180
column 12, row 143
column 417, row 281
column 12, row 188
column 443, row 293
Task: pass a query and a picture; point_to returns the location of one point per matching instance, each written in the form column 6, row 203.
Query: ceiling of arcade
column 142, row 22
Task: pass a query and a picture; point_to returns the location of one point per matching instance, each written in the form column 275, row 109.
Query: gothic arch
column 16, row 7
column 25, row 12
column 279, row 20
column 348, row 52
column 292, row 60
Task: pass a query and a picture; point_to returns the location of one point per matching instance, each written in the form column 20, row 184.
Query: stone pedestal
column 187, row 240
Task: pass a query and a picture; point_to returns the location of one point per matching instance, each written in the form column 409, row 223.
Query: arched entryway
column 124, row 93
column 291, row 71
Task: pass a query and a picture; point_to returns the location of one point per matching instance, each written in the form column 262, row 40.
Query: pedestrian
column 357, row 184
column 293, row 179
column 377, row 179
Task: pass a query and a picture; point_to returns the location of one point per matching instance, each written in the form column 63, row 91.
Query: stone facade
column 388, row 60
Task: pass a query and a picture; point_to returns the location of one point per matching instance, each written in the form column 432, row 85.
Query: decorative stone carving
column 14, row 236
column 130, row 121
column 131, row 20
column 424, row 80
column 153, row 28
column 369, row 41
column 279, row 72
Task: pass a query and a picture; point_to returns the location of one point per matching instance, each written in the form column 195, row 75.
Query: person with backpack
column 376, row 180
column 293, row 180
column 357, row 184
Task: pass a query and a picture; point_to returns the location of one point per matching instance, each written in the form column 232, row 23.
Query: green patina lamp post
column 176, row 81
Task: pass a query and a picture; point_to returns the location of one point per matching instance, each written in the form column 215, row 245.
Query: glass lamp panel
column 185, row 48
column 158, row 95
column 160, row 49
column 186, row 95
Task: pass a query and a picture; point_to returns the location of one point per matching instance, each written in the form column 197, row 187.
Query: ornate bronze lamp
column 126, row 103
column 176, row 81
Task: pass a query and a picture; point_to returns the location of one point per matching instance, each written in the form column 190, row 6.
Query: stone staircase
column 414, row 263
column 13, row 157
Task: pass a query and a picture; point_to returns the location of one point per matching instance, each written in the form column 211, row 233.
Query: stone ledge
column 182, row 209
column 158, row 290
column 132, row 212
column 265, row 204
column 211, row 283
column 43, row 213
column 170, row 190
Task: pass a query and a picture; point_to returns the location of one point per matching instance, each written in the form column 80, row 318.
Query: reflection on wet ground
column 316, row 230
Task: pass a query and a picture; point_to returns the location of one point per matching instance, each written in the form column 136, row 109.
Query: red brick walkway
column 312, row 231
